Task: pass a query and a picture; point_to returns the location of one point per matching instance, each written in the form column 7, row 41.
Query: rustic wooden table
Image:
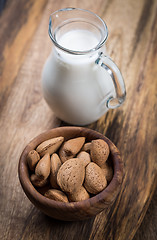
column 24, row 47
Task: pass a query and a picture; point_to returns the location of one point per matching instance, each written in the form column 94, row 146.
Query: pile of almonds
column 73, row 169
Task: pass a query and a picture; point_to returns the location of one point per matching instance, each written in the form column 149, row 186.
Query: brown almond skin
column 85, row 157
column 79, row 195
column 42, row 169
column 70, row 148
column 87, row 147
column 32, row 159
column 99, row 152
column 71, row 175
column 56, row 195
column 37, row 182
column 95, row 180
column 54, row 167
column 49, row 146
column 108, row 172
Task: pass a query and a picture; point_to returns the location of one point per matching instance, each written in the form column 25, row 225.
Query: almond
column 32, row 159
column 49, row 146
column 70, row 148
column 54, row 167
column 85, row 157
column 71, row 175
column 87, row 147
column 42, row 169
column 108, row 172
column 37, row 182
column 99, row 152
column 56, row 195
column 95, row 180
column 79, row 195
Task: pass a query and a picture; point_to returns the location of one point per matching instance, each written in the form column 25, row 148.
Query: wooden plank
column 24, row 114
column 18, row 23
column 148, row 229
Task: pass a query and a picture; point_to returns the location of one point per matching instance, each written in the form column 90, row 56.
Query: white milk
column 74, row 86
column 78, row 40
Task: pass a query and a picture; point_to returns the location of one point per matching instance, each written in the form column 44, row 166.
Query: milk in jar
column 73, row 85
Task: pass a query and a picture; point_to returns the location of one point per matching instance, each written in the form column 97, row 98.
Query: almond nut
column 108, row 172
column 79, row 195
column 99, row 152
column 95, row 180
column 50, row 146
column 37, row 182
column 56, row 195
column 70, row 148
column 85, row 157
column 71, row 175
column 86, row 147
column 54, row 167
column 32, row 159
column 42, row 169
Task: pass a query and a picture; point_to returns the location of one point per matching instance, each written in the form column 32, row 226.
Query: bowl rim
column 103, row 196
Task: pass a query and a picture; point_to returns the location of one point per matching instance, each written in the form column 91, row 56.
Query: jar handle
column 106, row 62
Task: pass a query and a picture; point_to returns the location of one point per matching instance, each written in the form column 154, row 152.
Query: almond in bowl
column 76, row 177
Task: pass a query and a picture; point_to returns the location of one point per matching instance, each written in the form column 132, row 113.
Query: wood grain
column 148, row 229
column 24, row 47
column 18, row 24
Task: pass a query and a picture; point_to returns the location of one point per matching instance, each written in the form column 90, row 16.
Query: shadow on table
column 59, row 230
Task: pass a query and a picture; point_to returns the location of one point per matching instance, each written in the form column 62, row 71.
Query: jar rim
column 75, row 52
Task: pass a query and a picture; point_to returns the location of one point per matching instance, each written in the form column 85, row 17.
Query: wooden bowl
column 73, row 210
